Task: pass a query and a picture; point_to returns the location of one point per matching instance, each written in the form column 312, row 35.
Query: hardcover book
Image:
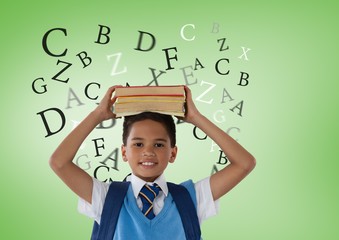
column 168, row 100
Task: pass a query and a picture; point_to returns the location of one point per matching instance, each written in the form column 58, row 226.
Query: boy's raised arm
column 241, row 161
column 61, row 160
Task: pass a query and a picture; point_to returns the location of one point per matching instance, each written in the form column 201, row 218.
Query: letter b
column 108, row 30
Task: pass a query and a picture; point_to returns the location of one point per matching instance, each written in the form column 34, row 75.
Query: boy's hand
column 192, row 112
column 104, row 109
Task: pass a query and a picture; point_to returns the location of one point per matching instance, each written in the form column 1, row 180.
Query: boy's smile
column 148, row 149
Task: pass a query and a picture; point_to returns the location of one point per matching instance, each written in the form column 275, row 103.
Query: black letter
column 196, row 136
column 217, row 64
column 63, row 119
column 62, row 70
column 44, row 42
column 222, row 44
column 238, row 106
column 43, row 86
column 244, row 78
column 103, row 34
column 168, row 58
column 83, row 58
column 97, row 169
column 224, row 161
column 97, row 147
column 86, row 90
column 140, row 40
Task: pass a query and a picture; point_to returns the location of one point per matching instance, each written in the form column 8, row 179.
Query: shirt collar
column 138, row 183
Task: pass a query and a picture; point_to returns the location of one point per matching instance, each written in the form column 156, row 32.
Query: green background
column 289, row 120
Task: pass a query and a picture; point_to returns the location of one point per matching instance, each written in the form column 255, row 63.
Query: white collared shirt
column 206, row 206
column 137, row 185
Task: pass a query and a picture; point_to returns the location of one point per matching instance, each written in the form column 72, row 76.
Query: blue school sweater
column 167, row 225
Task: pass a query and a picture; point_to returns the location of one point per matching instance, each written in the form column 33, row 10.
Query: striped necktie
column 147, row 195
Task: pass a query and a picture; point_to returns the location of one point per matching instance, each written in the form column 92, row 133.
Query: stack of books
column 132, row 100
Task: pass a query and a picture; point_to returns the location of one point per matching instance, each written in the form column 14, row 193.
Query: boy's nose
column 148, row 154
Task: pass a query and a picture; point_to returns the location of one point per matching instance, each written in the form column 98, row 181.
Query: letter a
column 239, row 107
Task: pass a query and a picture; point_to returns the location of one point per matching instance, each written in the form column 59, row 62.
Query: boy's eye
column 138, row 144
column 158, row 145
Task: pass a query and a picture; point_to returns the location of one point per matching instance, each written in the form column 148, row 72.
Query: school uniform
column 166, row 223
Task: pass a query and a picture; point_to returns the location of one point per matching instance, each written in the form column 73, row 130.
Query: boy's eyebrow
column 140, row 139
column 161, row 140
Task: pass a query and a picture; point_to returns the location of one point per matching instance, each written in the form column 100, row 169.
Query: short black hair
column 166, row 120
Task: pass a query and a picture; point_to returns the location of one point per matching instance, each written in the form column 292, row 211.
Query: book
column 132, row 100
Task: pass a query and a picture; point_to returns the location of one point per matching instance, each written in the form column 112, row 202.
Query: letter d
column 140, row 41
column 44, row 120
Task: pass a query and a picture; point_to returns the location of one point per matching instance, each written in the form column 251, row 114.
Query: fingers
column 189, row 100
column 191, row 109
column 187, row 91
column 113, row 99
column 111, row 90
column 109, row 98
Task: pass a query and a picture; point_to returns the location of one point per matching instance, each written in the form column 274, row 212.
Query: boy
column 148, row 146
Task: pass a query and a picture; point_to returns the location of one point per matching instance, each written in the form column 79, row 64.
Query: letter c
column 44, row 42
column 182, row 32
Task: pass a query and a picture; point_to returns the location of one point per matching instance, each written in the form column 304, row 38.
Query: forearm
column 66, row 151
column 235, row 153
column 241, row 161
column 61, row 161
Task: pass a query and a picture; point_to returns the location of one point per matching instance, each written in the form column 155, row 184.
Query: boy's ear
column 123, row 153
column 173, row 154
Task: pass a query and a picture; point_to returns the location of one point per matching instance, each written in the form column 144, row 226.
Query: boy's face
column 148, row 149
